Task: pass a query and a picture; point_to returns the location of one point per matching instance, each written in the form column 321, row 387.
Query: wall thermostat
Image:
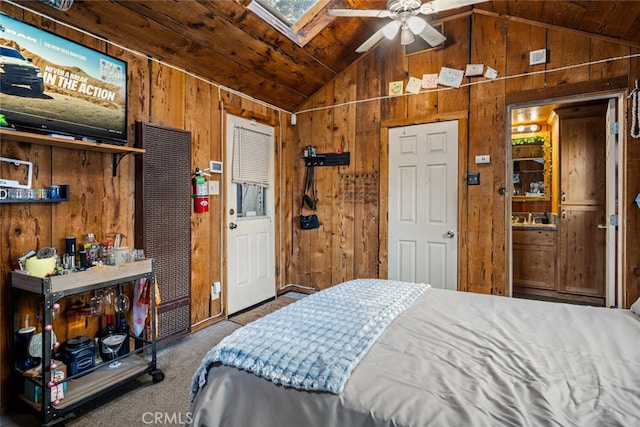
column 215, row 167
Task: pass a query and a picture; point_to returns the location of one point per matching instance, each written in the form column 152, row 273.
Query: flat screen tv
column 51, row 85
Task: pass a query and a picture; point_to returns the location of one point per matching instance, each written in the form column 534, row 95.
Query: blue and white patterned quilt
column 315, row 343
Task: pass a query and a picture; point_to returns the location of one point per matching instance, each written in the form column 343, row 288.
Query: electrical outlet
column 215, row 291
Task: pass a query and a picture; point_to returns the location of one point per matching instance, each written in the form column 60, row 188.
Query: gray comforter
column 460, row 359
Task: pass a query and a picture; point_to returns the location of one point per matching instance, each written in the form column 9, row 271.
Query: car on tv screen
column 18, row 70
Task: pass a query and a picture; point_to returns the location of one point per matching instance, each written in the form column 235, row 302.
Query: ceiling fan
column 405, row 19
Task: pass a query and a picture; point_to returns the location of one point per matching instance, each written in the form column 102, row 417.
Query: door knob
column 450, row 234
column 233, row 225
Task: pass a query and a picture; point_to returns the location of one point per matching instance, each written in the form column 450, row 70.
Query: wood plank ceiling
column 223, row 41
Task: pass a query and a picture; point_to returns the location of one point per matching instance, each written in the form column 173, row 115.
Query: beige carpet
column 263, row 310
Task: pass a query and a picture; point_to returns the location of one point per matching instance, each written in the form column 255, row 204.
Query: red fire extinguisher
column 200, row 192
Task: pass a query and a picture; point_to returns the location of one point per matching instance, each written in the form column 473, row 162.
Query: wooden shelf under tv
column 34, row 138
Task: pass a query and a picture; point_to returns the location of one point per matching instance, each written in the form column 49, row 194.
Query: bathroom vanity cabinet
column 534, row 260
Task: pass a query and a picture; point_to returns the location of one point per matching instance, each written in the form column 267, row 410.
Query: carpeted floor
column 143, row 403
column 262, row 310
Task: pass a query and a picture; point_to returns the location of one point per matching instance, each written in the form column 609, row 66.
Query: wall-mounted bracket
column 116, row 157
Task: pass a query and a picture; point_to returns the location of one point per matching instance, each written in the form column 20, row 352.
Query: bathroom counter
column 525, row 226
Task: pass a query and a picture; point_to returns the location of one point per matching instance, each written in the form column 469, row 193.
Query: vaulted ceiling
column 223, row 41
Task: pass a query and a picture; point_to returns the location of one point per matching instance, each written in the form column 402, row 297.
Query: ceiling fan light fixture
column 406, row 36
column 416, row 24
column 391, row 29
column 405, row 18
column 62, row 5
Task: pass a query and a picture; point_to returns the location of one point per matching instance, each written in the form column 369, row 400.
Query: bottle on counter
column 123, row 328
column 108, row 253
column 92, row 248
column 108, row 330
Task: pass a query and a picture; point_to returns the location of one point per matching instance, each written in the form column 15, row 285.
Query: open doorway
column 564, row 182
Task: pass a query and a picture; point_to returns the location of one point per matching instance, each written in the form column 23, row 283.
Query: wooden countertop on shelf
column 69, row 283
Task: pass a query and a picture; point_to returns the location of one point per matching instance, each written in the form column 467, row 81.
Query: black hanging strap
column 311, row 201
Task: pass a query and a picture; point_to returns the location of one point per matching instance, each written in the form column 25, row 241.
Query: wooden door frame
column 617, row 93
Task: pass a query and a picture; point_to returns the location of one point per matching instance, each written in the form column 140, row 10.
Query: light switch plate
column 214, row 188
column 473, row 178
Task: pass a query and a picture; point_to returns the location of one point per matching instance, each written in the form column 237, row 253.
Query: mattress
column 460, row 359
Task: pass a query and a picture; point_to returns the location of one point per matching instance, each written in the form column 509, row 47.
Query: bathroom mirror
column 529, row 177
column 531, row 168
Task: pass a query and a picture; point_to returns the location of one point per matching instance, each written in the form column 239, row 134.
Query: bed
column 446, row 359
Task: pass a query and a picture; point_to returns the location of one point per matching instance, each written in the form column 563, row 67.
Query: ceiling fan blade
column 371, row 41
column 431, row 35
column 435, row 6
column 358, row 13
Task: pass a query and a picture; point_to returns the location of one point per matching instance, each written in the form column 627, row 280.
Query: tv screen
column 52, row 85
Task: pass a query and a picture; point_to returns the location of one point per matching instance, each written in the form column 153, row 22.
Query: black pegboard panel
column 163, row 220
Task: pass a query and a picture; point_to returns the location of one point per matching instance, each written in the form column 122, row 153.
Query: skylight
column 289, row 12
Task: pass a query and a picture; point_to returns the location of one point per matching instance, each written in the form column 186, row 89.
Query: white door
column 249, row 219
column 423, row 204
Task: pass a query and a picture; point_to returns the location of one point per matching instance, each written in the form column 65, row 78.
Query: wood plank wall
column 358, row 229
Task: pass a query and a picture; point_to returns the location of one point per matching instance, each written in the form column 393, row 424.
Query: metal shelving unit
column 99, row 380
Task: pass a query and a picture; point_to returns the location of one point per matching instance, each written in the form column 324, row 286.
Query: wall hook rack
column 328, row 159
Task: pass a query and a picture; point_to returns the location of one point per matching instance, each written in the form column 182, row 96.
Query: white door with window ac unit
column 249, row 213
column 423, row 204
